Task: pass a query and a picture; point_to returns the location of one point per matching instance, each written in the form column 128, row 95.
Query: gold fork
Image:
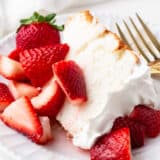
column 155, row 62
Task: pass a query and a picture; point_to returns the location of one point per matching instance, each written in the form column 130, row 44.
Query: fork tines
column 136, row 42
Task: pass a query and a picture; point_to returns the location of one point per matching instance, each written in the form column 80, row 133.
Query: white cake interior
column 116, row 80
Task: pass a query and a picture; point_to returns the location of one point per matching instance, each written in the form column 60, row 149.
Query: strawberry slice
column 15, row 54
column 47, row 133
column 50, row 100
column 71, row 79
column 149, row 117
column 113, row 146
column 5, row 96
column 137, row 131
column 21, row 116
column 37, row 62
column 11, row 69
column 20, row 89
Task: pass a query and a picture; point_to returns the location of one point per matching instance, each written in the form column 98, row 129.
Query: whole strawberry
column 38, row 31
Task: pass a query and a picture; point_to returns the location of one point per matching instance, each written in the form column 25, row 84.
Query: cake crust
column 87, row 17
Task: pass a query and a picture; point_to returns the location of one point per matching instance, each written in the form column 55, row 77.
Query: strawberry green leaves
column 36, row 17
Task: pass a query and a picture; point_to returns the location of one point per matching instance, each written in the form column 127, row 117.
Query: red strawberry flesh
column 149, row 117
column 50, row 100
column 21, row 116
column 112, row 146
column 37, row 63
column 15, row 54
column 71, row 79
column 137, row 130
column 5, row 96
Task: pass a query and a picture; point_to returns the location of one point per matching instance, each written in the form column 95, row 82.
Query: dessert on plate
column 100, row 91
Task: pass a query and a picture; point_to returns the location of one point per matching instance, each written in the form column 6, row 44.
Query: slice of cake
column 116, row 79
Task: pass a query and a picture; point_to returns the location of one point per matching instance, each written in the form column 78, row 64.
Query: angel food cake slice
column 116, row 79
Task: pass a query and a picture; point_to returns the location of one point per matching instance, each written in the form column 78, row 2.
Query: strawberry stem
column 36, row 17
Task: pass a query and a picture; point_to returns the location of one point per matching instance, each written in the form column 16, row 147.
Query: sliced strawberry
column 149, row 117
column 71, row 79
column 50, row 100
column 5, row 96
column 11, row 69
column 47, row 133
column 15, row 54
column 20, row 89
column 137, row 131
column 113, row 146
column 37, row 63
column 21, row 116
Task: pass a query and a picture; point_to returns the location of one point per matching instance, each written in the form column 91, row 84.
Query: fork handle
column 155, row 67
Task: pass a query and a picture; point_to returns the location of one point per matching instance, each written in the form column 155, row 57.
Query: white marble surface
column 148, row 8
column 4, row 156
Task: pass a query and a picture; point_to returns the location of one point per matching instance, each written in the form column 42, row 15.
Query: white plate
column 19, row 147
